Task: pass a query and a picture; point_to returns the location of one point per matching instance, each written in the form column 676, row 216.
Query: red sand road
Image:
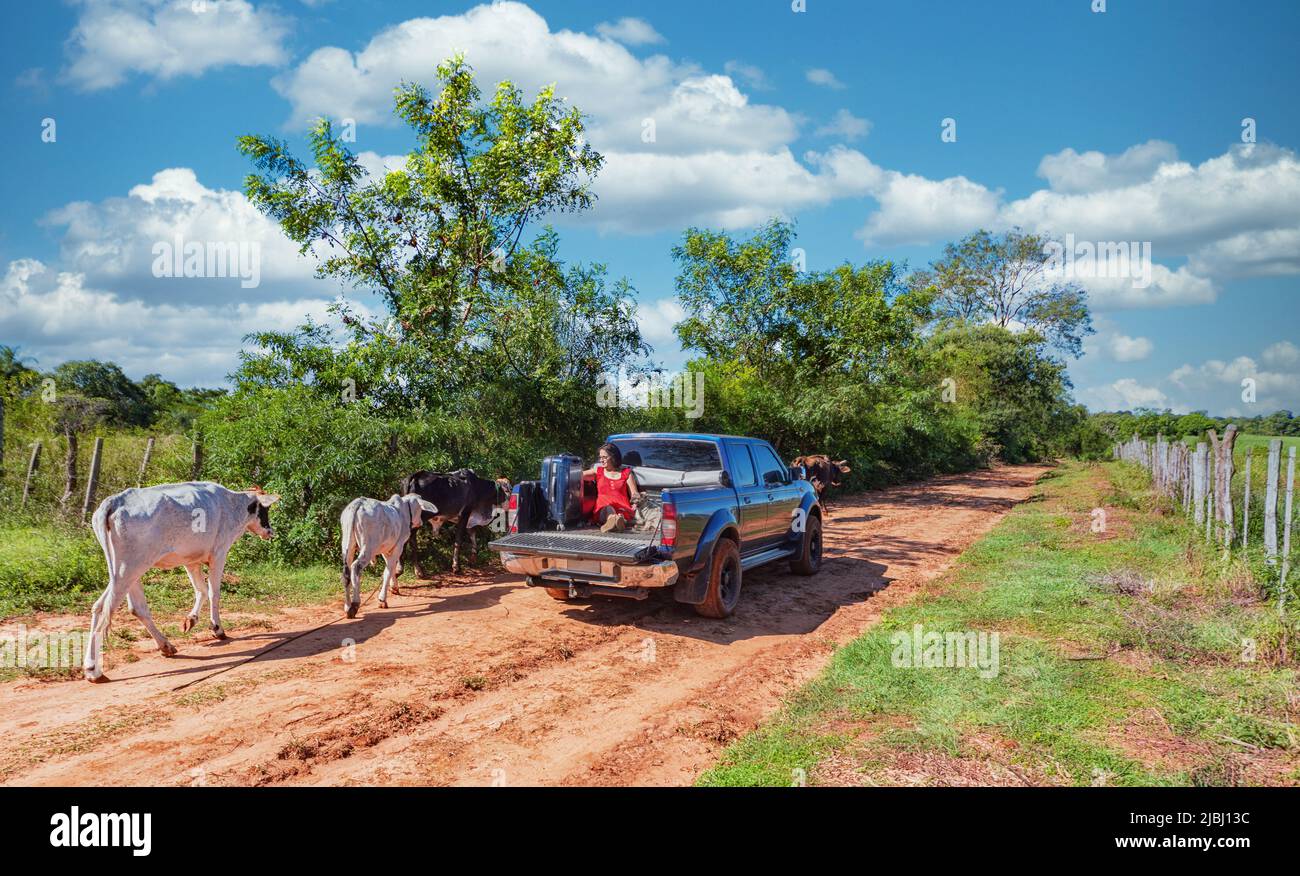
column 485, row 681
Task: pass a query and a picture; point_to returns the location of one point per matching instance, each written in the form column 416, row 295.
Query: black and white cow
column 372, row 528
column 462, row 497
column 164, row 527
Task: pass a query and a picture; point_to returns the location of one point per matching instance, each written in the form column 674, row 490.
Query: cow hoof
column 167, row 649
column 395, row 592
column 188, row 624
column 96, row 679
column 218, row 633
column 383, row 603
column 352, row 609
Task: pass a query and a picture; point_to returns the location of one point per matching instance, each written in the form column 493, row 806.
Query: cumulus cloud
column 55, row 316
column 722, row 189
column 1074, row 172
column 165, row 39
column 823, row 77
column 116, row 242
column 846, row 125
column 630, row 32
column 750, row 74
column 916, row 210
column 1123, row 395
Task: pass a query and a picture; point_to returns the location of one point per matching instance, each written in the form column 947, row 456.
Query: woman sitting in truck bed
column 616, row 490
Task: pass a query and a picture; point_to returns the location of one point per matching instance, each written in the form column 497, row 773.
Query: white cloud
column 646, row 192
column 1073, row 172
column 54, row 316
column 169, row 38
column 1129, row 349
column 845, row 124
column 1166, row 289
column 917, row 210
column 1122, row 395
column 630, row 32
column 1283, row 354
column 823, row 77
column 750, row 74
column 656, row 319
column 113, row 241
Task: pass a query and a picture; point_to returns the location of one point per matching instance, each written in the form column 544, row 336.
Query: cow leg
column 140, row 608
column 473, row 546
column 364, row 556
column 390, row 565
column 216, row 569
column 460, row 537
column 100, row 616
column 414, row 544
column 195, row 571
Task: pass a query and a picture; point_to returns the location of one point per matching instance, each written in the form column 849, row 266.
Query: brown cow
column 822, row 472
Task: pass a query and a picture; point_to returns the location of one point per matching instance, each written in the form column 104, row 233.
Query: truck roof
column 693, row 436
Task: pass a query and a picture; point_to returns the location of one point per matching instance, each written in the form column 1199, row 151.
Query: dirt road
column 483, row 681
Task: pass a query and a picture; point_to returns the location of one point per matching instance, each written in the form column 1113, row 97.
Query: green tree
column 1003, row 279
column 127, row 403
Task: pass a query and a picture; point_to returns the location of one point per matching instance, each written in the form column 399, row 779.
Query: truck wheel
column 560, row 594
column 724, row 581
column 809, row 559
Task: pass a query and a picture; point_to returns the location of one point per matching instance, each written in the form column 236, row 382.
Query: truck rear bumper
column 602, row 574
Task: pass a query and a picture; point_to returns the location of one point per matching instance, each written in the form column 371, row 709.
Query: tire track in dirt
column 487, row 681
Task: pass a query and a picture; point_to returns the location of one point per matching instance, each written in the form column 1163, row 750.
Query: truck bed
column 589, row 543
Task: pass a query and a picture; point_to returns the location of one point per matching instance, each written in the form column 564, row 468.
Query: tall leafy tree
column 1004, row 279
column 440, row 241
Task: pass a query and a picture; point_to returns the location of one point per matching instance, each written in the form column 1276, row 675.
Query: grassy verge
column 1131, row 656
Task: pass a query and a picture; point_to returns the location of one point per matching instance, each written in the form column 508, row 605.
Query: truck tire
column 809, row 558
column 723, row 592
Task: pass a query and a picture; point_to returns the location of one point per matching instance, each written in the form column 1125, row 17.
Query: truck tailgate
column 625, row 547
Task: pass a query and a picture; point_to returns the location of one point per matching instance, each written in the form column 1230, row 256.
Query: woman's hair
column 614, row 453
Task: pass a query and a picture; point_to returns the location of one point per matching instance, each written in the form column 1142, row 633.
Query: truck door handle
column 747, row 500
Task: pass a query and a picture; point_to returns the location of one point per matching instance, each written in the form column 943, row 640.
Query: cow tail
column 101, row 524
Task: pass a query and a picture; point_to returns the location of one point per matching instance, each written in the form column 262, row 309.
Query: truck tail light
column 512, row 514
column 669, row 531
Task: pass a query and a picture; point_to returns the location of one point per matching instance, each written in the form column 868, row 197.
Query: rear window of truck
column 674, row 454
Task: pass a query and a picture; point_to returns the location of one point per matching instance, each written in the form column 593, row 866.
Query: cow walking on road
column 822, row 472
column 370, row 529
column 462, row 497
column 163, row 527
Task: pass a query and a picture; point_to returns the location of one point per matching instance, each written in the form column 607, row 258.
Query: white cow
column 164, row 527
column 373, row 528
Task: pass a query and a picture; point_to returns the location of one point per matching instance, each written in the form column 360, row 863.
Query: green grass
column 1165, row 619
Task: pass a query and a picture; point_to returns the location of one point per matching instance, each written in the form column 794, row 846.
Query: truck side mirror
column 772, row 478
column 724, row 479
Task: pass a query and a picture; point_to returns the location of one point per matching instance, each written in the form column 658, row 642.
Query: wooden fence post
column 1212, row 472
column 93, row 480
column 1245, row 503
column 1286, row 528
column 1198, row 483
column 144, row 463
column 31, row 472
column 2, row 438
column 198, row 459
column 1270, row 500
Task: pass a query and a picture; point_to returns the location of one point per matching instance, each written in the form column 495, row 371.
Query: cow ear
column 843, row 465
column 428, row 506
column 268, row 499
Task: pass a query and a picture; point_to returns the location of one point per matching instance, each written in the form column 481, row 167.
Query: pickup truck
column 715, row 506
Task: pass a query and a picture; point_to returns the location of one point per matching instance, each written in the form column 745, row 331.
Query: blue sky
column 1122, row 125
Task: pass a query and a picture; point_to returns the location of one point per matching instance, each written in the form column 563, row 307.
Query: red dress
column 614, row 493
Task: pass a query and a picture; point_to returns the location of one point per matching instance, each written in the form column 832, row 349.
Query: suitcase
column 562, row 484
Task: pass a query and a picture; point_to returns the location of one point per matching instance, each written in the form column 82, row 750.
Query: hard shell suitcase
column 562, row 484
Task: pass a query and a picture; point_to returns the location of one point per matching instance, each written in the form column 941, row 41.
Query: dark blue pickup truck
column 715, row 506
